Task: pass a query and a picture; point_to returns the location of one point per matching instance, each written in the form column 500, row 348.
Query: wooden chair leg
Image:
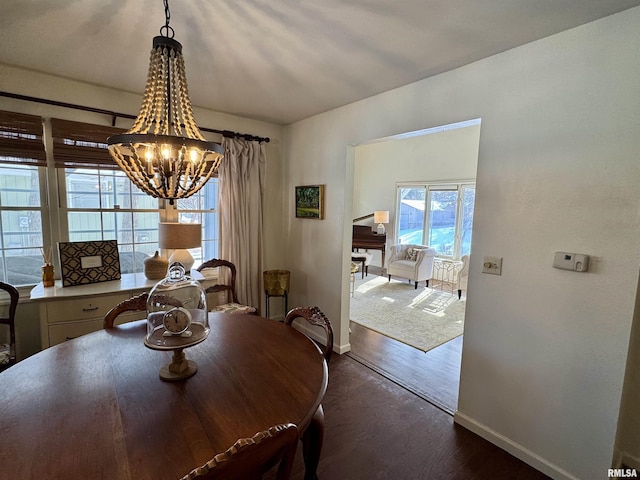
column 312, row 439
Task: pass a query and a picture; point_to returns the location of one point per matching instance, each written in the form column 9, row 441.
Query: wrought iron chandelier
column 164, row 153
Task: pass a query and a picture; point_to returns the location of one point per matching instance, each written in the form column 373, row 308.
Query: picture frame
column 89, row 262
column 310, row 201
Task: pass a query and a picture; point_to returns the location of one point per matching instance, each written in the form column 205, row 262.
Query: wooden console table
column 68, row 312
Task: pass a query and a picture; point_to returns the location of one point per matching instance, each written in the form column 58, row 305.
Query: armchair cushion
column 412, row 254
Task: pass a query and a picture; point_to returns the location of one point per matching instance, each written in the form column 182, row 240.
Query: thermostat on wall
column 571, row 261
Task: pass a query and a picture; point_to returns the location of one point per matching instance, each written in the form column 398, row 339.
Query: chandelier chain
column 166, row 30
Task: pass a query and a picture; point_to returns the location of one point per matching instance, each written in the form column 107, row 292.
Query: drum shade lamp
column 179, row 237
column 381, row 217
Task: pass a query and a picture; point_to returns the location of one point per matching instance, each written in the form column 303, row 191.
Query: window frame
column 64, row 210
column 58, row 138
column 45, row 221
column 22, row 146
column 203, row 253
column 459, row 186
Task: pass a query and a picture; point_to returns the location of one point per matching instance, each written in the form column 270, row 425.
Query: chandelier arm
column 130, row 172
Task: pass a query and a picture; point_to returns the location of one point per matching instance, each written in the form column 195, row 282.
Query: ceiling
column 279, row 60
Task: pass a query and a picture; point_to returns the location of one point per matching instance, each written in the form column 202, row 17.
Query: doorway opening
column 429, row 174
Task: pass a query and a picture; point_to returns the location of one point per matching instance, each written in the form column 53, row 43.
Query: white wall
column 628, row 441
column 544, row 349
column 449, row 154
column 35, row 84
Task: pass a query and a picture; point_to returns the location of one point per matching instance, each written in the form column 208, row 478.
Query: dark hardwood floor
column 388, row 416
column 433, row 376
column 376, row 429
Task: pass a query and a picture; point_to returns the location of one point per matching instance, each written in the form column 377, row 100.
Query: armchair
column 463, row 275
column 413, row 262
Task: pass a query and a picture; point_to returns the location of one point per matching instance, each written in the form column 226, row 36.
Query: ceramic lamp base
column 184, row 257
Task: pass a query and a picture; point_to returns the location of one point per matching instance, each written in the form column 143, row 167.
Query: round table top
column 95, row 407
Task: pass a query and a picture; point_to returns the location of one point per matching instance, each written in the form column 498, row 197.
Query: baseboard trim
column 627, row 460
column 304, row 328
column 515, row 449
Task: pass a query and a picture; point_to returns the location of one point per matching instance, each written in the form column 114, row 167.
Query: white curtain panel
column 241, row 186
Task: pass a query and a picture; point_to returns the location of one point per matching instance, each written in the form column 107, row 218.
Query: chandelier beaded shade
column 164, row 154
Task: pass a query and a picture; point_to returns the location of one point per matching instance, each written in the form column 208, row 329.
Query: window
column 438, row 215
column 98, row 201
column 80, row 195
column 21, row 224
column 104, row 205
column 202, row 208
column 23, row 221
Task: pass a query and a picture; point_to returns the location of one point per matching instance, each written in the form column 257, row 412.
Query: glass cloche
column 176, row 312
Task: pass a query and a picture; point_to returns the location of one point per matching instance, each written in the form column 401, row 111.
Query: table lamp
column 179, row 237
column 381, row 217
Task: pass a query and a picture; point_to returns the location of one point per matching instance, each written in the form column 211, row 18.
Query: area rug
column 423, row 318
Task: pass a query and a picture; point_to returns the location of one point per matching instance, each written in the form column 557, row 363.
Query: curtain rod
column 115, row 115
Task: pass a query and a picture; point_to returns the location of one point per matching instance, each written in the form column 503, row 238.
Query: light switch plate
column 492, row 265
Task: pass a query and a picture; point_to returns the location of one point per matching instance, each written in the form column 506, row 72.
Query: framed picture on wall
column 310, row 201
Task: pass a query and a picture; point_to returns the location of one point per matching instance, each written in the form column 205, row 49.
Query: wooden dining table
column 95, row 408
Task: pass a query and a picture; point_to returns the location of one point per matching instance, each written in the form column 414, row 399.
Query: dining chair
column 313, row 435
column 314, row 316
column 250, row 458
column 228, row 289
column 133, row 304
column 9, row 357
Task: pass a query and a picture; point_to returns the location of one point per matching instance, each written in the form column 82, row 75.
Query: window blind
column 21, row 139
column 82, row 145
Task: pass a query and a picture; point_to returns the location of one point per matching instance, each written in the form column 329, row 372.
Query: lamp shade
column 381, row 216
column 180, row 235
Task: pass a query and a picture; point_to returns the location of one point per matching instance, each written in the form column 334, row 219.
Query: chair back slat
column 221, row 287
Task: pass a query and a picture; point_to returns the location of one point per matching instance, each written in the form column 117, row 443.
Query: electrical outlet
column 492, row 265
